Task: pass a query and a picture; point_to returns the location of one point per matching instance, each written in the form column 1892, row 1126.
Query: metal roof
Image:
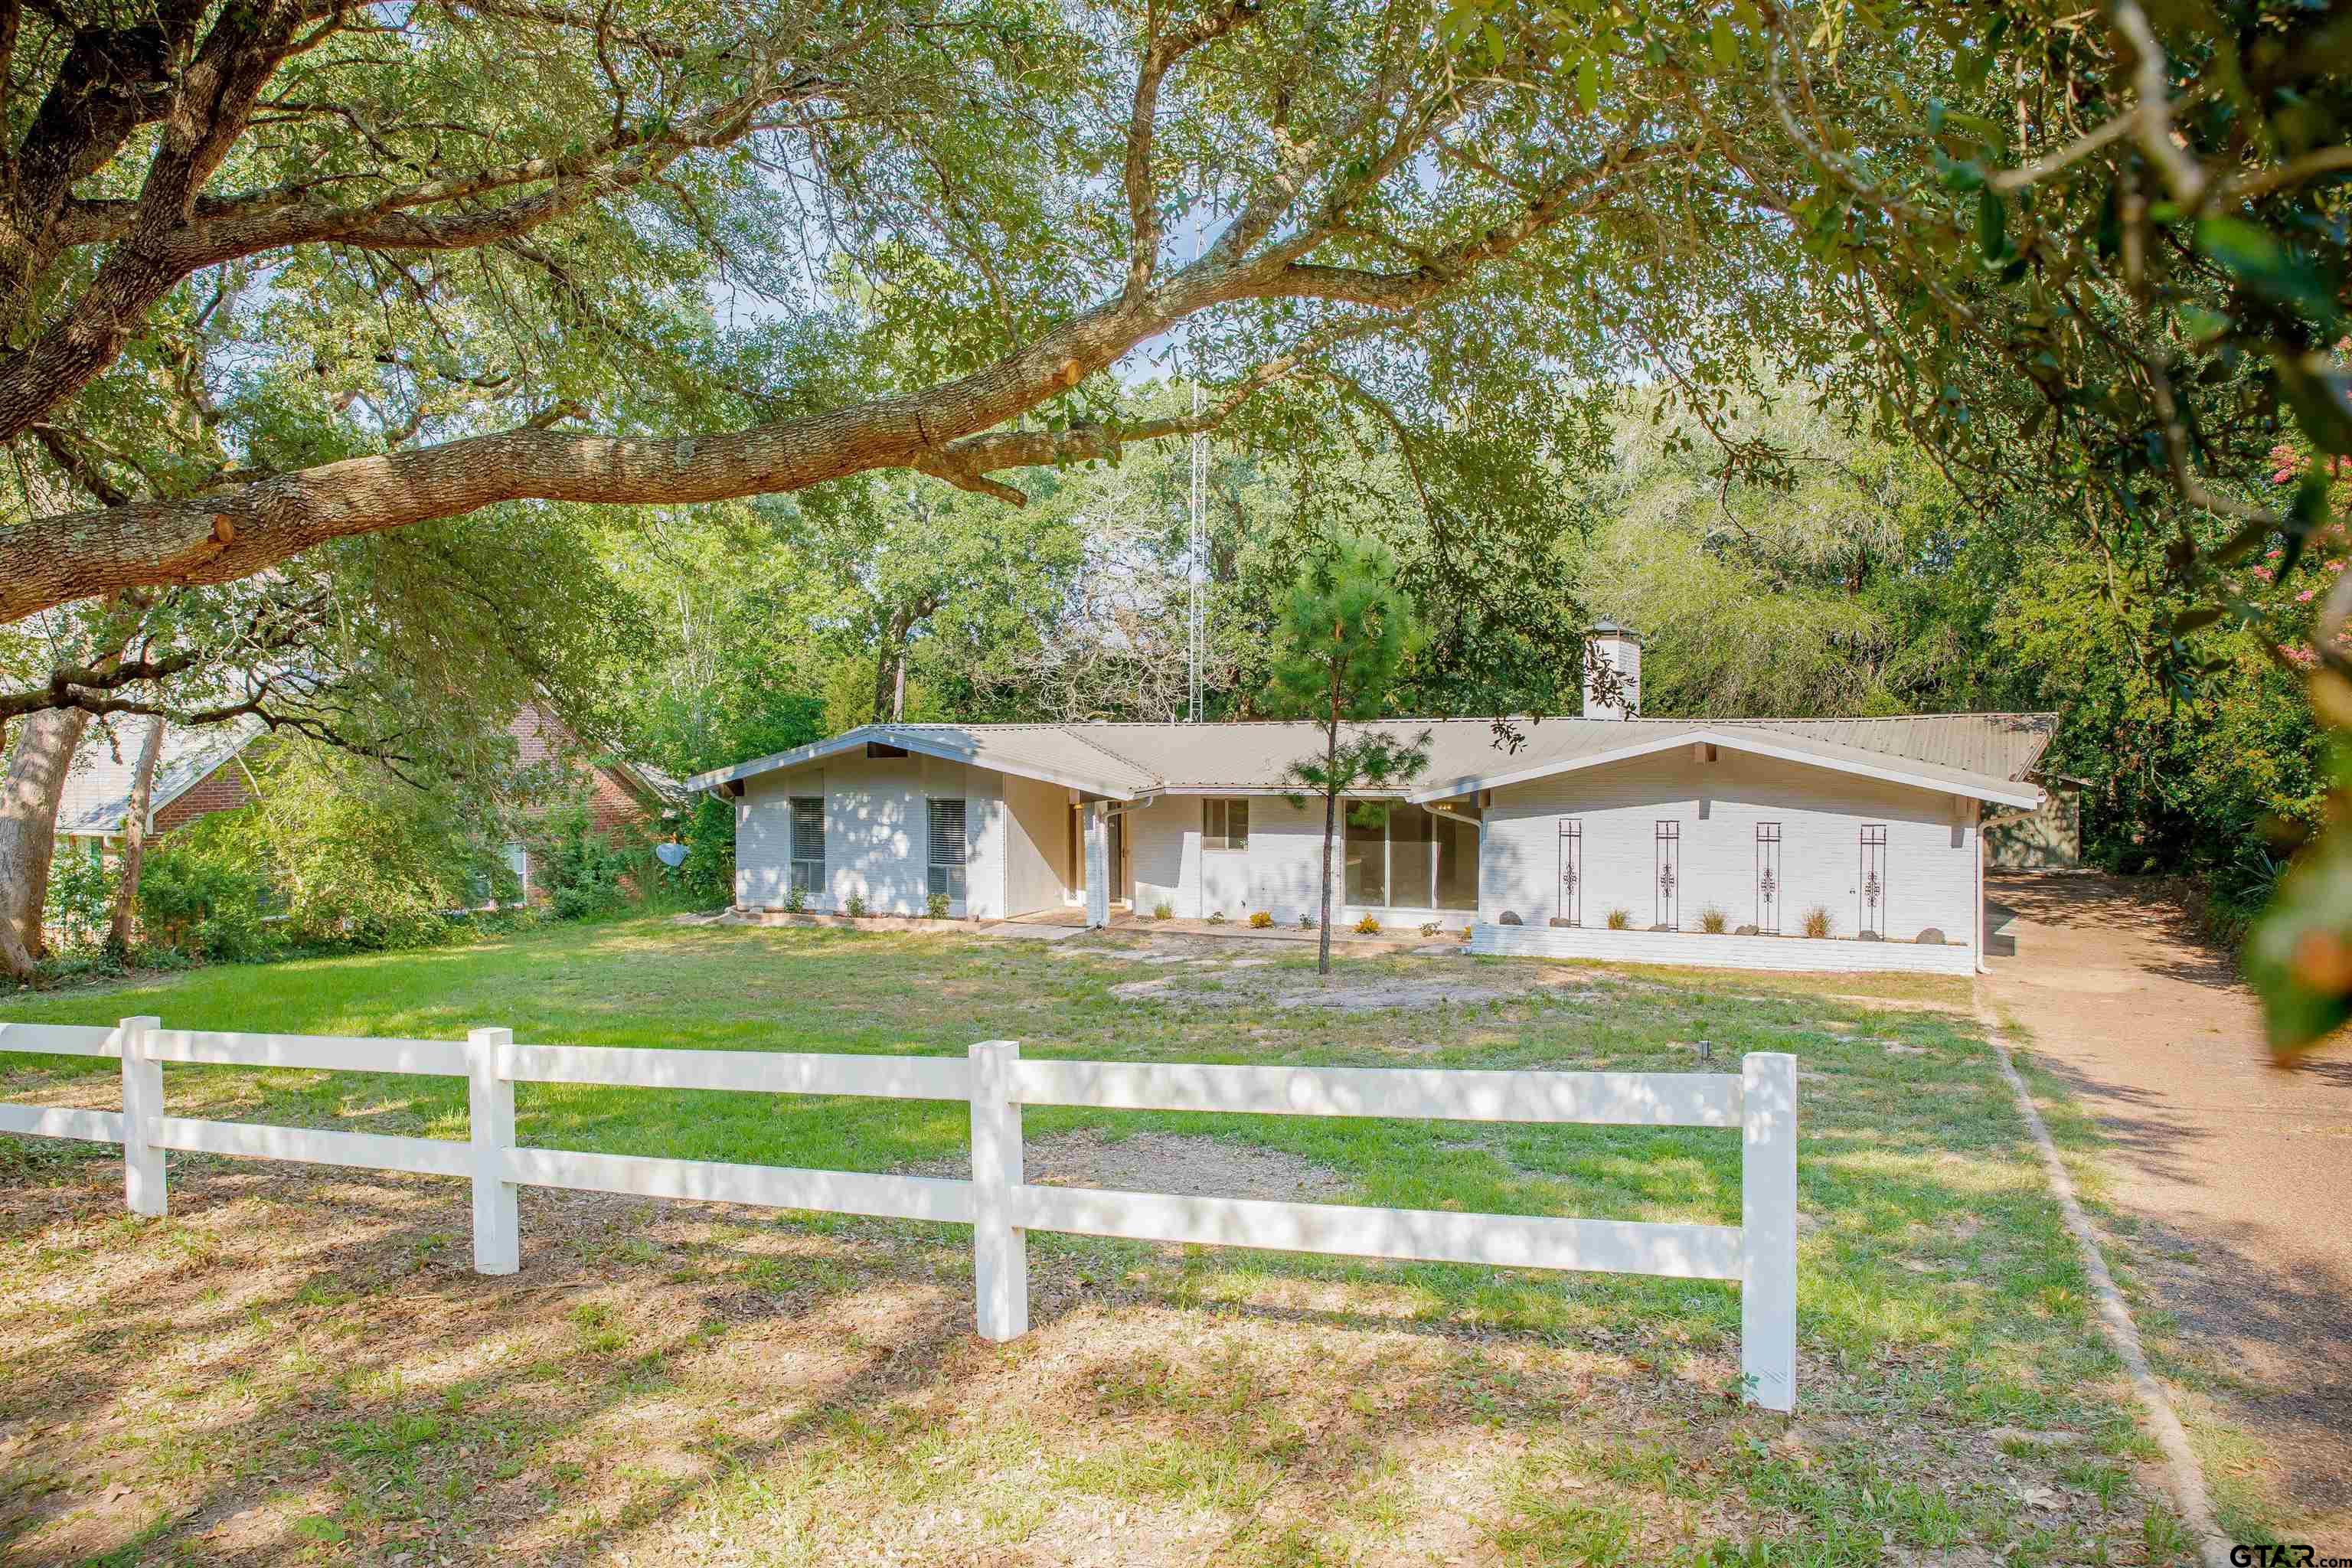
column 1984, row 755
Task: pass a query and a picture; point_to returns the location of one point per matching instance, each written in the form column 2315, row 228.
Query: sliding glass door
column 1408, row 858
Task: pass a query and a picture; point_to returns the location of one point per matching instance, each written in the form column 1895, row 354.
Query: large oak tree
column 279, row 273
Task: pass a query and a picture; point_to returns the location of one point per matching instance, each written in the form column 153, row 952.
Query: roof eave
column 1974, row 786
column 908, row 741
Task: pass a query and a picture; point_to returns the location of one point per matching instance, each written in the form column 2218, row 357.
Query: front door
column 1120, row 888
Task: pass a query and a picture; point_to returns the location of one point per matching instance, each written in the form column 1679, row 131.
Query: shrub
column 201, row 895
column 1429, row 928
column 81, row 894
column 936, row 906
column 360, row 857
column 1712, row 920
column 1307, row 923
column 1163, row 910
column 1620, row 920
column 582, row 871
column 1260, row 919
column 1369, row 926
column 854, row 906
column 708, row 874
column 795, row 901
column 1816, row 921
column 1216, row 917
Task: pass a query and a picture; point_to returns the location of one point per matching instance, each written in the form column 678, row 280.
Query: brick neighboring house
column 201, row 771
column 198, row 772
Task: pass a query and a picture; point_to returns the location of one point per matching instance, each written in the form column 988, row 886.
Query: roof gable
column 97, row 800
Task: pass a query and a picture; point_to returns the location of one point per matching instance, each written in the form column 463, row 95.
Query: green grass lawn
column 1956, row 1404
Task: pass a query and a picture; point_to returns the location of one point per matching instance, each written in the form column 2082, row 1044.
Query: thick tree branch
column 1142, row 190
column 172, row 230
column 949, row 430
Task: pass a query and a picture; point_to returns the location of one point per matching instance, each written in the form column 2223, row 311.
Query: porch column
column 1097, row 863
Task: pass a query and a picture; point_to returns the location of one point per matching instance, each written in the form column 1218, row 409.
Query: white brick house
column 1603, row 835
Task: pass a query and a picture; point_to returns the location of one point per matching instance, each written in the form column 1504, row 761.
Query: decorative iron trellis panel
column 1571, row 872
column 1873, row 877
column 1767, row 878
column 1668, row 885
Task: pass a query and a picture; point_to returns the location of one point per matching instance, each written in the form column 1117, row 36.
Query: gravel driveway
column 2238, row 1173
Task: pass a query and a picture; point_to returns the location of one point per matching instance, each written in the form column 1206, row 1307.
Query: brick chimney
column 1609, row 647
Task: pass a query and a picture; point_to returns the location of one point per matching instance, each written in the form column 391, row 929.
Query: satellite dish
column 670, row 855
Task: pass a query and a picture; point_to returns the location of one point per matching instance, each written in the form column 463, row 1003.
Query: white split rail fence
column 1759, row 1253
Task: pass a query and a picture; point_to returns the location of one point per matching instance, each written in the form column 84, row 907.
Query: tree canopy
column 287, row 285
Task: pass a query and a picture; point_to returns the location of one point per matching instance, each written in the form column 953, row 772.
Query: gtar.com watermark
column 2246, row 1555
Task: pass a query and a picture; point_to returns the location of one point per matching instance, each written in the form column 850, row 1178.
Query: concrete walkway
column 2238, row 1174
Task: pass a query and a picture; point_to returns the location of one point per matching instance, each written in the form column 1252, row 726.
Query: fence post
column 498, row 1227
column 1000, row 1249
column 1768, row 1229
column 142, row 1103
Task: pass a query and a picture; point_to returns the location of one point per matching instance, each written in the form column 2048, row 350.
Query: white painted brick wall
column 1930, row 861
column 1281, row 873
column 877, row 833
column 1698, row 951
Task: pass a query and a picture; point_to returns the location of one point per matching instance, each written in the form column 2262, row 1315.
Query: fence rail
column 1759, row 1253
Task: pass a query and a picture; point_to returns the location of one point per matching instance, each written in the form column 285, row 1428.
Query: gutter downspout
column 1982, row 968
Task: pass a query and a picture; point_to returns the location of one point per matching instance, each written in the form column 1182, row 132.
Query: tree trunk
column 135, row 841
column 29, row 798
column 14, row 961
column 1330, row 819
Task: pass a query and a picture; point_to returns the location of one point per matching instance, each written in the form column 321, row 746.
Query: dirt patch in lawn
column 1208, row 980
column 1161, row 1162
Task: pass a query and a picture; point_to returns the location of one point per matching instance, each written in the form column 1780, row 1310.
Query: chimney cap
column 1612, row 630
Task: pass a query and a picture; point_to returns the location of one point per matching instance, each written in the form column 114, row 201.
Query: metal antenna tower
column 1196, row 570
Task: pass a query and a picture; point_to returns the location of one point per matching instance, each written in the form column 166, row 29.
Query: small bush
column 1260, row 919
column 936, row 906
column 1620, row 920
column 583, row 872
column 1163, row 910
column 1307, row 923
column 80, row 895
column 1816, row 921
column 1712, row 920
column 1369, row 926
column 854, row 906
column 1216, row 917
column 1429, row 928
column 795, row 902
